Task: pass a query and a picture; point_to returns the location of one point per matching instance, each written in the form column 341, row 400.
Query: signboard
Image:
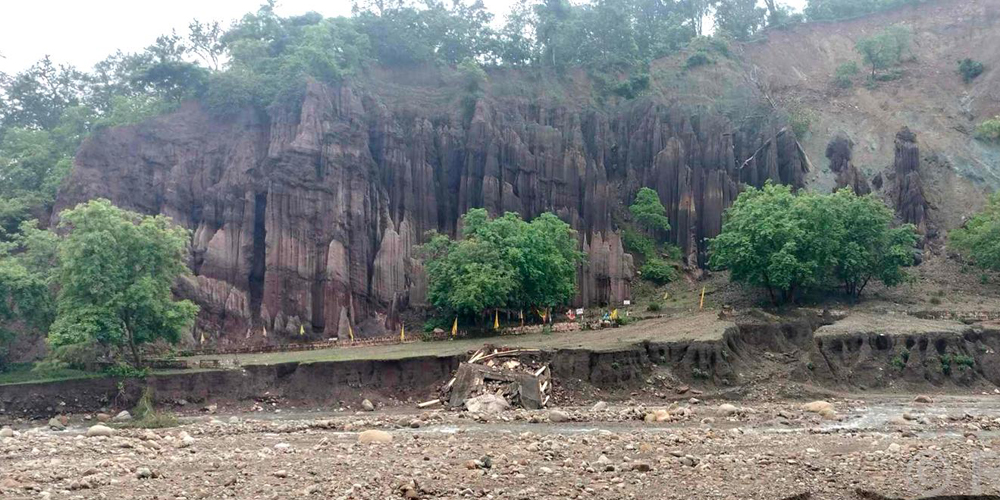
column 579, row 311
column 628, row 302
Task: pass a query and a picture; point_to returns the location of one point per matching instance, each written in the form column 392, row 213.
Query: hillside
column 797, row 66
column 306, row 217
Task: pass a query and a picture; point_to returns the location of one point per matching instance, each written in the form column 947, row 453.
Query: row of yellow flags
column 454, row 325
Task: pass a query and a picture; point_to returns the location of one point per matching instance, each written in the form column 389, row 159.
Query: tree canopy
column 116, row 269
column 978, row 240
column 788, row 243
column 502, row 263
column 884, row 49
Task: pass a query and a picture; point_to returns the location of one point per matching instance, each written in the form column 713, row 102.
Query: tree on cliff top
column 502, row 263
column 884, row 49
column 115, row 273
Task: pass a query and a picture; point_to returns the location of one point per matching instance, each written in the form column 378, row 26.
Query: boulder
column 557, row 416
column 6, row 432
column 374, row 436
column 726, row 410
column 817, row 406
column 123, row 416
column 487, row 404
column 56, row 424
column 367, row 405
column 923, row 399
column 599, row 406
column 100, row 430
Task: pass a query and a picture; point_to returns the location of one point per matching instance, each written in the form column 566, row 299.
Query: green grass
column 21, row 373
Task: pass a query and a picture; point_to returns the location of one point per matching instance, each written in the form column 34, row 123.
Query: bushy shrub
column 969, row 69
column 843, row 77
column 697, row 59
column 989, row 130
column 658, row 271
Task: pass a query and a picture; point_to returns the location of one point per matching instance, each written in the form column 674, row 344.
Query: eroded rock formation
column 911, row 204
column 305, row 220
column 839, row 152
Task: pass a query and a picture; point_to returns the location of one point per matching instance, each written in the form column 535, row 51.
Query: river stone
column 143, row 473
column 6, row 432
column 123, row 416
column 56, row 424
column 487, row 403
column 923, row 399
column 600, row 406
column 367, row 405
column 557, row 416
column 726, row 410
column 817, row 407
column 100, row 430
column 374, row 436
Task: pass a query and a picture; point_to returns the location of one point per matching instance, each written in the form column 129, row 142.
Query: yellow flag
column 302, row 330
column 402, row 333
column 614, row 314
column 496, row 320
column 350, row 332
column 701, row 305
column 454, row 327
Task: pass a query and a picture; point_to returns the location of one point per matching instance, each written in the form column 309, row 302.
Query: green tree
column 978, row 240
column 740, row 18
column 884, row 49
column 502, row 263
column 115, row 276
column 775, row 240
column 649, row 212
column 27, row 270
column 870, row 249
column 788, row 243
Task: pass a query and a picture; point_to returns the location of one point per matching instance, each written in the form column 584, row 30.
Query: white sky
column 84, row 32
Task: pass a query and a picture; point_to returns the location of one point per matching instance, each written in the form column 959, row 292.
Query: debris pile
column 511, row 374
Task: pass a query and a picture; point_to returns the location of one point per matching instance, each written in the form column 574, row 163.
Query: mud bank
column 859, row 352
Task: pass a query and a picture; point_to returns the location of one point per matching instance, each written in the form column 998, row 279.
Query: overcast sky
column 84, row 32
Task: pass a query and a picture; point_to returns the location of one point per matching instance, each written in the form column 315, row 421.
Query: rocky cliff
column 304, row 219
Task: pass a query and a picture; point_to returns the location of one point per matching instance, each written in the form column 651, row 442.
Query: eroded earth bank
column 749, row 405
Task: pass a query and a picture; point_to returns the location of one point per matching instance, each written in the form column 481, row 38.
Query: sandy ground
column 887, row 445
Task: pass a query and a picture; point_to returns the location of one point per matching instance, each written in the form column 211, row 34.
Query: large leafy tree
column 502, row 263
column 115, row 276
column 788, row 243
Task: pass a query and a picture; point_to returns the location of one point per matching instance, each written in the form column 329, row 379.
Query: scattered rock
column 123, row 416
column 103, row 417
column 100, row 430
column 641, row 467
column 599, row 406
column 6, row 432
column 923, row 399
column 374, row 436
column 367, row 405
column 56, row 424
column 281, row 473
column 143, row 473
column 894, row 448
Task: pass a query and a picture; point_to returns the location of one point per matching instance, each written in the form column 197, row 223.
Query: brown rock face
column 839, row 153
column 305, row 220
column 911, row 205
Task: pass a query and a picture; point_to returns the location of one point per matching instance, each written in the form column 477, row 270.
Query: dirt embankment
column 757, row 354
